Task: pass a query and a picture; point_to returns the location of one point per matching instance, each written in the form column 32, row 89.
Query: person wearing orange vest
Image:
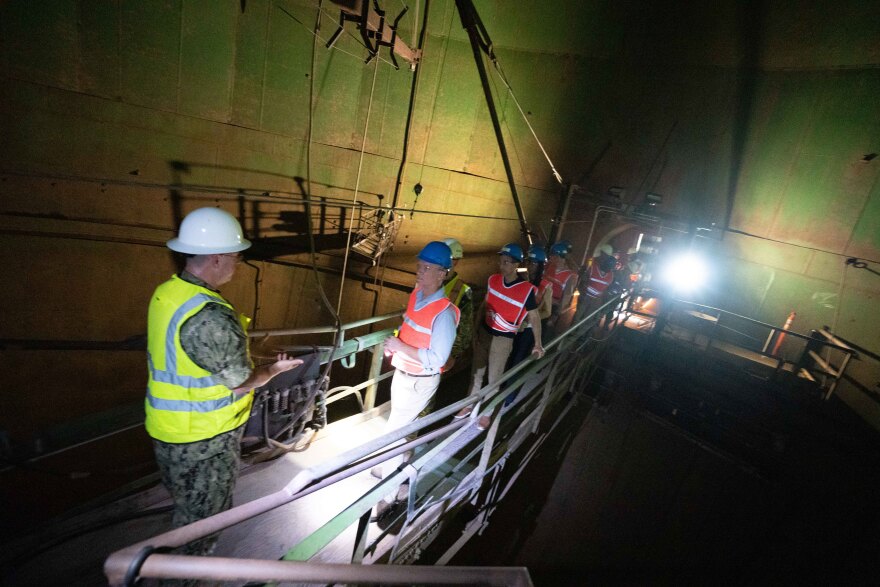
column 598, row 276
column 509, row 300
column 563, row 281
column 525, row 339
column 420, row 350
column 201, row 378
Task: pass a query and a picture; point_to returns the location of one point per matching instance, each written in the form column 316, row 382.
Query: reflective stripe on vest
column 598, row 283
column 505, row 304
column 416, row 330
column 184, row 402
column 558, row 280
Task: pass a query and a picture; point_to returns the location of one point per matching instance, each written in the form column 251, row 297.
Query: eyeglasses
column 420, row 268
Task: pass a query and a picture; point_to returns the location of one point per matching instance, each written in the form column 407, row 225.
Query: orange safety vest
column 506, row 304
column 597, row 282
column 558, row 278
column 416, row 330
column 542, row 288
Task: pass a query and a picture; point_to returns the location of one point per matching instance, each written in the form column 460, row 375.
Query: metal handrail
column 759, row 323
column 167, row 566
column 823, row 366
column 342, row 466
column 324, row 329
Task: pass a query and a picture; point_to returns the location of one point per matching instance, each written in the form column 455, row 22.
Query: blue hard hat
column 560, row 249
column 537, row 254
column 437, row 253
column 567, row 244
column 512, row 250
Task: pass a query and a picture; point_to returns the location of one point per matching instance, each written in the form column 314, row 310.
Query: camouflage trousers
column 200, row 477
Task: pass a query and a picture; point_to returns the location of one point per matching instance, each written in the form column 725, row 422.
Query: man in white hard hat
column 201, row 377
column 461, row 295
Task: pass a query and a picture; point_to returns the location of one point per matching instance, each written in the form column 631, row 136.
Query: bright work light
column 686, row 273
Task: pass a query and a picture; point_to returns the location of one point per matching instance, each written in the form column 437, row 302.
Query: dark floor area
column 678, row 468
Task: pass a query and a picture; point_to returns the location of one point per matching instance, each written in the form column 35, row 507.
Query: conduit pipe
column 168, row 566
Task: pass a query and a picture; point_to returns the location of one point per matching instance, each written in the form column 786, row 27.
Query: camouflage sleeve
column 465, row 331
column 215, row 341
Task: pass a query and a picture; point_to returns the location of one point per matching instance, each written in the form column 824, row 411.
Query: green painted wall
column 762, row 118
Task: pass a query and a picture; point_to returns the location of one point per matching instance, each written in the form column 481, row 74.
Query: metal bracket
column 372, row 34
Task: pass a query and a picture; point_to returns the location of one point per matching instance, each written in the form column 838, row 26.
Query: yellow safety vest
column 456, row 289
column 184, row 402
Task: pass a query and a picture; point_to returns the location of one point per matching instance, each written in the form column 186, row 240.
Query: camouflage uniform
column 201, row 475
column 465, row 333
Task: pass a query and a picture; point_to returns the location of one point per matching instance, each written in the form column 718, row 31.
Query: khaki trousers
column 490, row 356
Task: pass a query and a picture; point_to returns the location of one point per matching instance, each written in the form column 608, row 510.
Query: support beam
column 470, row 20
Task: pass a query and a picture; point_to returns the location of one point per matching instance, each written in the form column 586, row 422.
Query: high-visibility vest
column 598, row 282
column 456, row 290
column 558, row 278
column 542, row 288
column 185, row 403
column 539, row 296
column 506, row 304
column 416, row 330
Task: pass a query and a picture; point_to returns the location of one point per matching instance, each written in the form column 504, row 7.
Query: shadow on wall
column 276, row 233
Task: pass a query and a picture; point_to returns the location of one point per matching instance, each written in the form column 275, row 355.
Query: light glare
column 687, row 272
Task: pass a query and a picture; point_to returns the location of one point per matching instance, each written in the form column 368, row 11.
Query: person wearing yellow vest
column 509, row 300
column 419, row 351
column 200, row 376
column 460, row 294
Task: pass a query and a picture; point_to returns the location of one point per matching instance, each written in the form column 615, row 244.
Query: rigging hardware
column 374, row 29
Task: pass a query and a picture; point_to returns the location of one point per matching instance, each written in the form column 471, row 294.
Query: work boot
column 463, row 413
column 484, row 422
column 383, row 509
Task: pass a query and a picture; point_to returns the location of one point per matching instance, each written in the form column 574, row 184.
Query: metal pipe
column 375, row 369
column 593, row 228
column 324, row 329
column 169, row 566
column 469, row 20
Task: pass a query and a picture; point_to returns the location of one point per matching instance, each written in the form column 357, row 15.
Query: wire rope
column 430, row 124
column 357, row 184
column 503, row 78
column 308, row 203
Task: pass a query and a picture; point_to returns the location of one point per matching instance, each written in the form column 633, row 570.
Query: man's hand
column 538, row 350
column 283, row 363
column 263, row 374
column 393, row 344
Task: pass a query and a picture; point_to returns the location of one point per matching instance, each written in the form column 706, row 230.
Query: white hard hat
column 606, row 249
column 455, row 247
column 209, row 231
